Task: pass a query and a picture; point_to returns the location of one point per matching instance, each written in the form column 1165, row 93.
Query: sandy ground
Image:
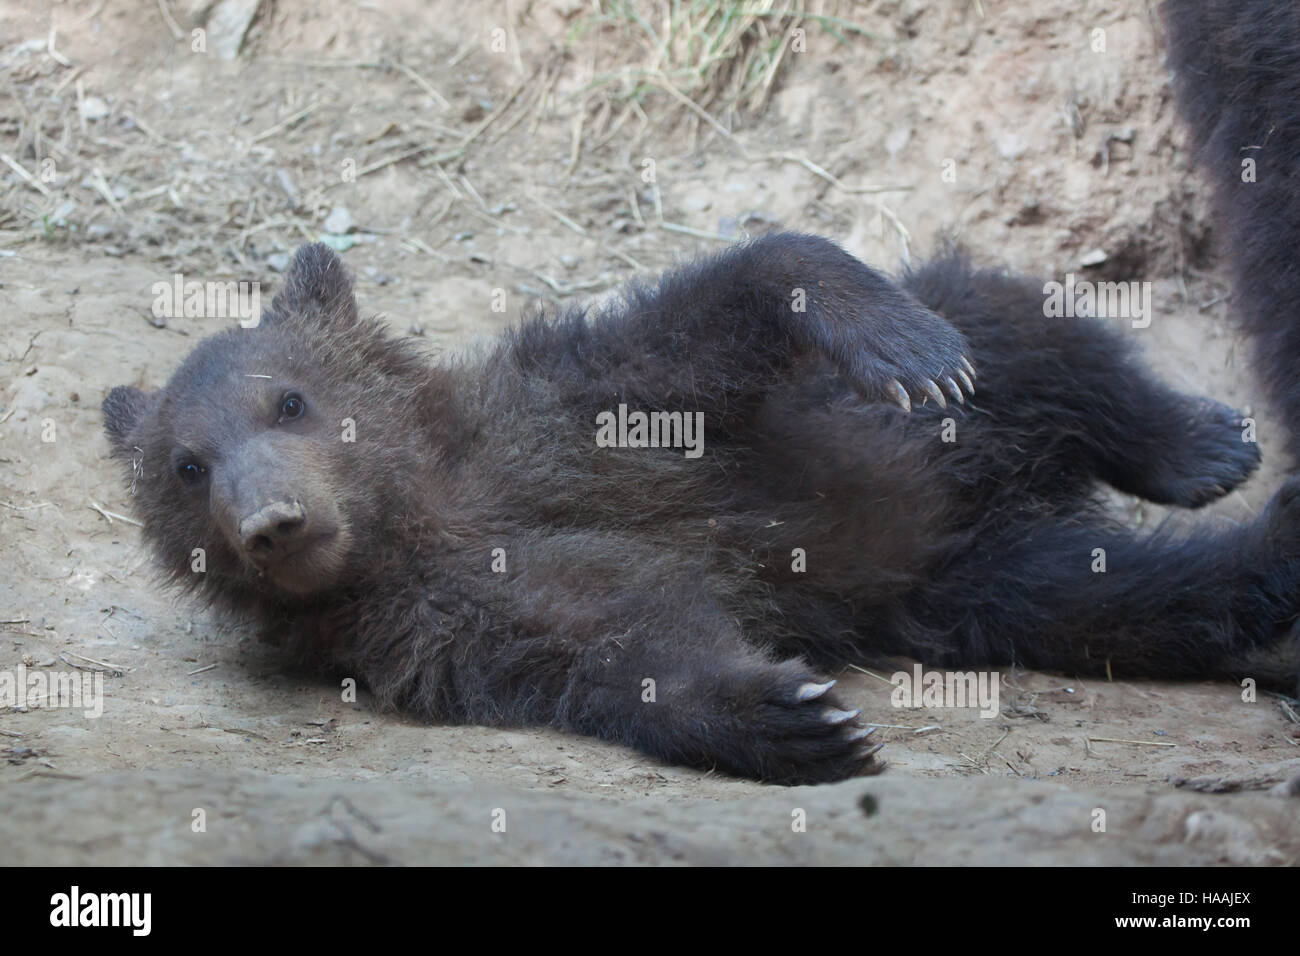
column 168, row 160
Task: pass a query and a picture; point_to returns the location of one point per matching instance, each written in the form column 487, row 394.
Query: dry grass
column 709, row 62
column 79, row 168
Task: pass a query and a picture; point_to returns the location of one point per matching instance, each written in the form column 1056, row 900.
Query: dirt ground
column 492, row 150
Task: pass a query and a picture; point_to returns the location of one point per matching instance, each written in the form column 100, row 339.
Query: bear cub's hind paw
column 1208, row 458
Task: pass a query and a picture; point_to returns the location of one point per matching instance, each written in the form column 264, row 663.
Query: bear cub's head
column 252, row 469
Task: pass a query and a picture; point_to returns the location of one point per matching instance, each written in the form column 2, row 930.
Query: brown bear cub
column 461, row 539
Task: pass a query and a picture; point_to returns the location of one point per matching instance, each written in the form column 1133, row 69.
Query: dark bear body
column 1237, row 83
column 377, row 558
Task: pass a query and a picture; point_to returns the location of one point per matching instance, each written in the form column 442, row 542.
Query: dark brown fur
column 374, row 558
column 1237, row 83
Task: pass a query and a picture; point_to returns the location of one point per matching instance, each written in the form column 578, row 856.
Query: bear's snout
column 275, row 527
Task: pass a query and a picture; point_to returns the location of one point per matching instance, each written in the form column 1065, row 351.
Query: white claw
column 812, row 691
column 834, row 716
column 954, row 391
column 965, row 380
column 862, row 733
column 870, row 751
column 932, row 390
column 899, row 394
column 970, row 368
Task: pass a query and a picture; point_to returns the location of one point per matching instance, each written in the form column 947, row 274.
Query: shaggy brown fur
column 378, row 557
column 1237, row 81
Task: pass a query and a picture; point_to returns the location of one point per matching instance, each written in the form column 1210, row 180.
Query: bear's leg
column 1236, row 67
column 612, row 637
column 713, row 333
column 712, row 701
column 1073, row 393
column 1087, row 596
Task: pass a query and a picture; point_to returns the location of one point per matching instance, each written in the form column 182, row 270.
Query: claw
column 970, row 368
column 812, row 691
column 862, row 733
column 965, row 380
column 932, row 390
column 899, row 394
column 834, row 716
column 954, row 391
column 870, row 751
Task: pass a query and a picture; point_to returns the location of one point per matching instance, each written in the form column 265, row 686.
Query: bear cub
column 886, row 468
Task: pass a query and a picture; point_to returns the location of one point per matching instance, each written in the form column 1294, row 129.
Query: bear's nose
column 272, row 527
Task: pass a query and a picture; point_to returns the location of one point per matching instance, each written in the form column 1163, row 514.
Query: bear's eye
column 292, row 406
column 190, row 472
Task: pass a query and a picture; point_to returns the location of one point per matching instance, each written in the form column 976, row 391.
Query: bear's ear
column 123, row 407
column 316, row 285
